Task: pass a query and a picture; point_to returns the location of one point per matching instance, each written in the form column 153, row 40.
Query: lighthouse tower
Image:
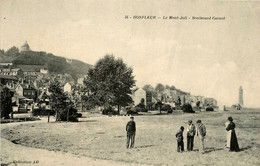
column 241, row 101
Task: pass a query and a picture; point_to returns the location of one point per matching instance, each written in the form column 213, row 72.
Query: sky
column 212, row 58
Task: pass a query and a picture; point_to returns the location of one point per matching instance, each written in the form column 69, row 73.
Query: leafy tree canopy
column 172, row 87
column 167, row 87
column 148, row 88
column 6, row 103
column 159, row 88
column 13, row 51
column 109, row 83
column 61, row 102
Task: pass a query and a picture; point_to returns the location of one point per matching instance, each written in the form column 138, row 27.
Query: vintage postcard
column 120, row 82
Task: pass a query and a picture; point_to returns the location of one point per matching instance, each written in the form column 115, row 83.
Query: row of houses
column 28, row 83
column 172, row 97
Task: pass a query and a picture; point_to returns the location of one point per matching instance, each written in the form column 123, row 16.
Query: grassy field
column 105, row 138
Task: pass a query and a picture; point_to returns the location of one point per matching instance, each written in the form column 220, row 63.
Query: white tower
column 241, row 101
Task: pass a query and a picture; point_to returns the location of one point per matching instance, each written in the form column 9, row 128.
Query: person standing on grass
column 190, row 135
column 232, row 143
column 228, row 135
column 131, row 129
column 201, row 133
column 179, row 137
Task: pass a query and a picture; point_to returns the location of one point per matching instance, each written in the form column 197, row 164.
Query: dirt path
column 14, row 154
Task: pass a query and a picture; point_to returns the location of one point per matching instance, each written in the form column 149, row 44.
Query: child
column 179, row 137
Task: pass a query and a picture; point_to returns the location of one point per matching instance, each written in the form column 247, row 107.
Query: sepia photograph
column 130, row 82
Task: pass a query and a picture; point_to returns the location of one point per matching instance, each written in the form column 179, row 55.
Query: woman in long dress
column 232, row 143
column 228, row 135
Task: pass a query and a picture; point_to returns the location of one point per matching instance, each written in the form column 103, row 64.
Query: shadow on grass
column 209, row 150
column 245, row 148
column 17, row 141
column 145, row 146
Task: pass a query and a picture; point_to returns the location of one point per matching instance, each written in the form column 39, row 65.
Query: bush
column 42, row 112
column 79, row 115
column 73, row 115
column 131, row 111
column 209, row 109
column 167, row 107
column 141, row 105
column 109, row 111
column 141, row 109
column 150, row 106
column 187, row 108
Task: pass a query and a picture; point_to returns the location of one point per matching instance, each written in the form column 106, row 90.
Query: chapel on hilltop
column 25, row 47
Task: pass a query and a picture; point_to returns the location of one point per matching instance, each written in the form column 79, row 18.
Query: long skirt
column 233, row 142
column 228, row 139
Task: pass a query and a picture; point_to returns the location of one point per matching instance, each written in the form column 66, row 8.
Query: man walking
column 201, row 133
column 130, row 128
column 190, row 135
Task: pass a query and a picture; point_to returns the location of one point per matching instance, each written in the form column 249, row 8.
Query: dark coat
column 201, row 130
column 179, row 136
column 130, row 127
column 233, row 141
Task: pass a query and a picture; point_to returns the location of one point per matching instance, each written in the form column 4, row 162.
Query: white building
column 6, row 64
column 67, row 87
column 44, row 71
column 80, row 81
column 138, row 95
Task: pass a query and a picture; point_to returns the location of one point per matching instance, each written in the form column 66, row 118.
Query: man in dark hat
column 191, row 131
column 201, row 133
column 130, row 128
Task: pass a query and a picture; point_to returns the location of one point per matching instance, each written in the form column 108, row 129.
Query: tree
column 187, row 108
column 159, row 105
column 172, row 87
column 148, row 88
column 109, row 83
column 159, row 88
column 141, row 104
column 42, row 103
column 6, row 103
column 179, row 100
column 13, row 51
column 2, row 51
column 61, row 103
column 198, row 105
column 167, row 87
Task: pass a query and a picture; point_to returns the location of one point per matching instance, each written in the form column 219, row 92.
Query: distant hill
column 54, row 64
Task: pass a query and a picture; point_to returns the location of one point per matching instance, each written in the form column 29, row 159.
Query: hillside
column 54, row 64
